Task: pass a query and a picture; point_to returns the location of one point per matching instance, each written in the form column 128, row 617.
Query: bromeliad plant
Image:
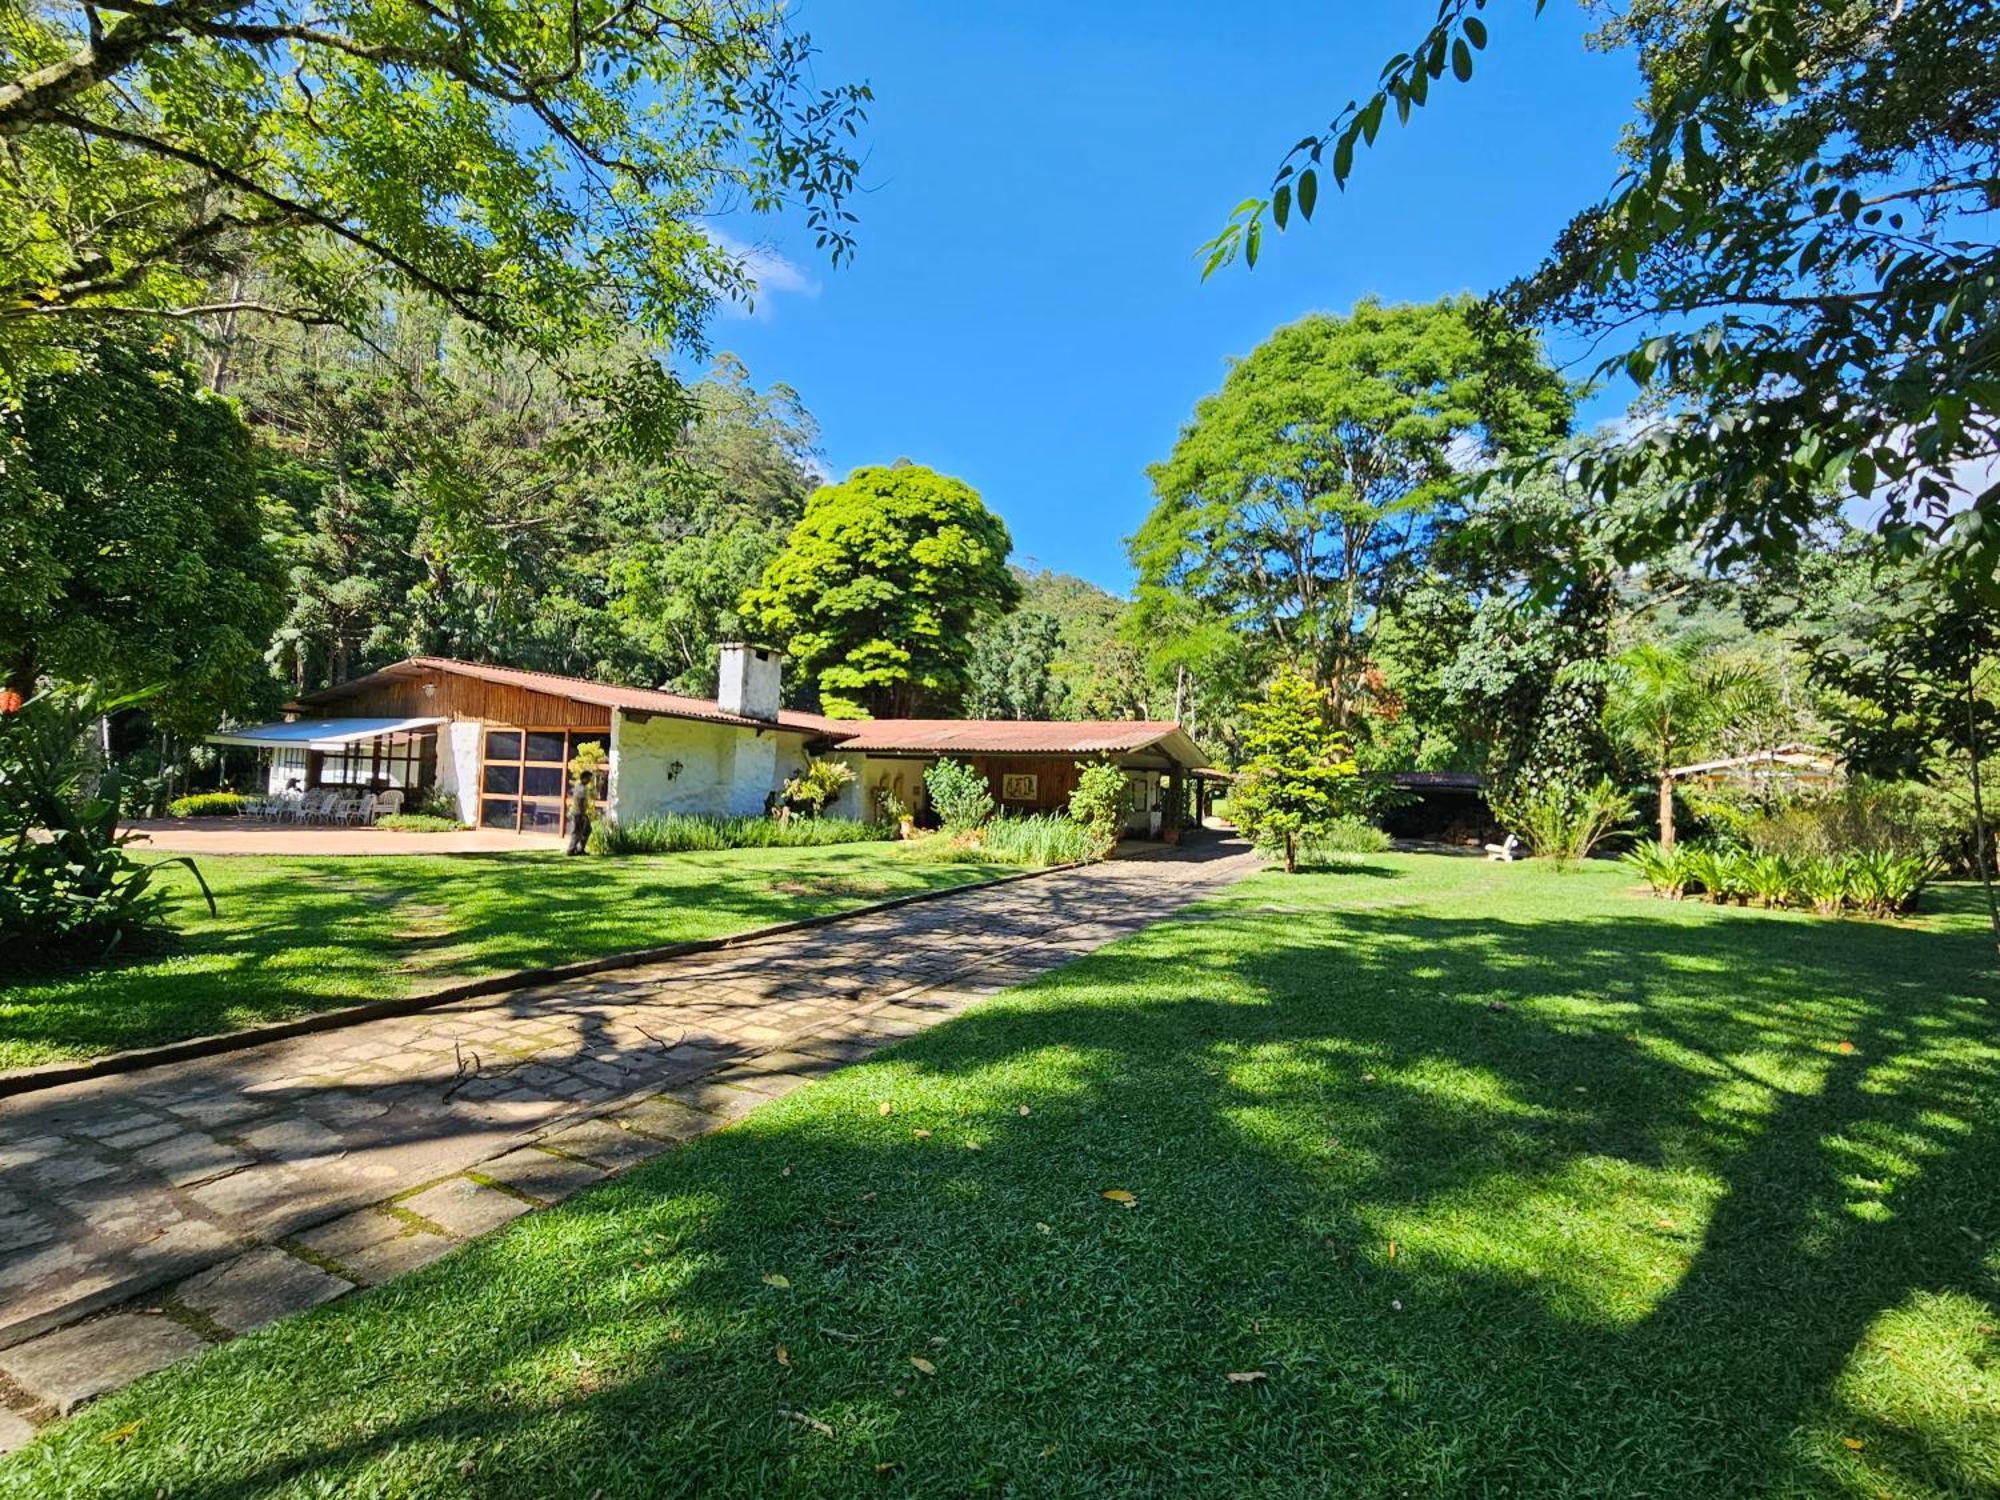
column 68, row 887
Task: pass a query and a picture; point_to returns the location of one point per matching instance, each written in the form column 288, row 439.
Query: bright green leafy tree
column 1299, row 776
column 138, row 492
column 1301, row 493
column 541, row 171
column 880, row 586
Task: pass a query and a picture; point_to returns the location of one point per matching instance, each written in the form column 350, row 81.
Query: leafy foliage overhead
column 539, row 170
column 880, row 586
column 461, row 517
column 1800, row 257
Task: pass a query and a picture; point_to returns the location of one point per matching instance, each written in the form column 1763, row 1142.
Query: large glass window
column 401, row 760
column 524, row 778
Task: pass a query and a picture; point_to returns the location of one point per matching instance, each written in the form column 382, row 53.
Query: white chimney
column 747, row 680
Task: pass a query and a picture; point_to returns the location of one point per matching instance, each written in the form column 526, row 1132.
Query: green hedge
column 419, row 823
column 207, row 805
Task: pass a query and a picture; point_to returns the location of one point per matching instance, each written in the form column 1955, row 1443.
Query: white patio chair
column 358, row 810
column 389, row 803
column 1506, row 853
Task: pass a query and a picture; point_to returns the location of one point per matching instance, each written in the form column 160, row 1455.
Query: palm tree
column 1667, row 698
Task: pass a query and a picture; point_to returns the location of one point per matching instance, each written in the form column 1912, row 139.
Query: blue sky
column 1025, row 311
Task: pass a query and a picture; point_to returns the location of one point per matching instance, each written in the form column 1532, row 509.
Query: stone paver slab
column 70, row 1366
column 667, row 1119
column 16, row 1431
column 373, row 1245
column 257, row 1288
column 541, row 1174
column 463, row 1207
column 605, row 1144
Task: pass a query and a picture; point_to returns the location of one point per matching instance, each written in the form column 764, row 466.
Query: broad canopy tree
column 879, row 588
column 1301, row 493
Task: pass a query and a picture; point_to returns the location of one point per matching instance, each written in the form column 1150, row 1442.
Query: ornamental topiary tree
column 1299, row 775
column 876, row 594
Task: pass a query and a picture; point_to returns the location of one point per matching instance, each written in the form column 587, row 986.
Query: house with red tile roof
column 496, row 742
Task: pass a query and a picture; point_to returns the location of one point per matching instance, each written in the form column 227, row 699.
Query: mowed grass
column 294, row 935
column 1448, row 1179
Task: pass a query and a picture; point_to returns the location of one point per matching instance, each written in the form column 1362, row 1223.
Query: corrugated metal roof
column 580, row 690
column 1020, row 737
column 896, row 736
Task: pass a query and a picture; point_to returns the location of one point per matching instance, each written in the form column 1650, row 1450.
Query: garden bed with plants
column 1874, row 882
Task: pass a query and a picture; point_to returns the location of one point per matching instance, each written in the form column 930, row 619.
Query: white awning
column 319, row 734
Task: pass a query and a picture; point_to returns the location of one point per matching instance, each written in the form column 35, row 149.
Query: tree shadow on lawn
column 325, row 932
column 1642, row 1186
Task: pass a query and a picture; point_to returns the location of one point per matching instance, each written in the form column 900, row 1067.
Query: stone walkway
column 235, row 1189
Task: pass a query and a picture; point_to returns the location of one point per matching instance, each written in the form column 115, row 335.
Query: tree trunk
column 1666, row 811
column 1291, row 854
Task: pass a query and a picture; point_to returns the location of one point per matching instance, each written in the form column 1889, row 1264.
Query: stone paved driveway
column 234, row 1189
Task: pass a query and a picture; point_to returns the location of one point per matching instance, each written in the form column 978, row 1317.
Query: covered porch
column 338, row 772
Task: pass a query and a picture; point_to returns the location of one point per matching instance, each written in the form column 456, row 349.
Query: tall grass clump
column 1037, row 840
column 695, row 833
column 1565, row 823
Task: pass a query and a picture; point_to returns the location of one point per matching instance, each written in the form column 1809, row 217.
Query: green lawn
column 296, row 935
column 1499, row 1182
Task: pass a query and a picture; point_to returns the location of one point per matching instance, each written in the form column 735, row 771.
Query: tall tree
column 1799, row 258
column 880, row 586
column 542, row 172
column 1513, row 675
column 1915, row 677
column 1298, row 773
column 139, row 490
column 1301, row 492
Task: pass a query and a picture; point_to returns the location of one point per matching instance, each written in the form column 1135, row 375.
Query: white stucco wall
column 661, row 765
column 458, row 766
